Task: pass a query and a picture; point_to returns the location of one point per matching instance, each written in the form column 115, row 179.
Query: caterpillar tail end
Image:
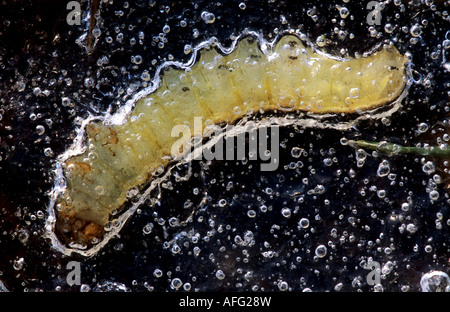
column 73, row 229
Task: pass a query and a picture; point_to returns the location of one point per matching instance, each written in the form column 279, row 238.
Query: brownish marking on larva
column 72, row 228
column 114, row 139
column 92, row 130
column 111, row 139
column 85, row 168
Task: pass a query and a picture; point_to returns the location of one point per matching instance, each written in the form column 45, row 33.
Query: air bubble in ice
column 422, row 127
column 286, row 212
column 18, row 264
column 220, row 275
column 147, row 228
column 296, row 152
column 283, row 286
column 435, row 281
column 321, row 251
column 383, row 169
column 208, row 17
column 428, row 167
column 303, row 223
column 415, row 30
column 40, row 130
column 344, row 12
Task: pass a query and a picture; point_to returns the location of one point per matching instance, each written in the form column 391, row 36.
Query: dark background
column 47, row 79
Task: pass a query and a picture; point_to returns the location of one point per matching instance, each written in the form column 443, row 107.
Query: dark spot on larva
column 185, row 89
column 253, row 56
column 224, row 67
column 293, row 57
column 292, row 44
column 393, row 68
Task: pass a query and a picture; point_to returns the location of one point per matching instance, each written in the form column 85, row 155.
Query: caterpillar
column 129, row 149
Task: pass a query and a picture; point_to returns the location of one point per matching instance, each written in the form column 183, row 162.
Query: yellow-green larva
column 222, row 89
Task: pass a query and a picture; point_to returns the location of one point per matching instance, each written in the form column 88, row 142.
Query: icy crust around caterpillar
column 284, row 77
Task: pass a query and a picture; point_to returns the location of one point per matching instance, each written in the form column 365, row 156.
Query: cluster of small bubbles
column 208, row 17
column 387, row 268
column 373, row 32
column 386, row 121
column 88, row 82
column 21, row 86
column 137, row 59
column 195, row 33
column 311, row 12
column 411, row 228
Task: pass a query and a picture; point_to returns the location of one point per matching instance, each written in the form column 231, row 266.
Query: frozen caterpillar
column 222, row 88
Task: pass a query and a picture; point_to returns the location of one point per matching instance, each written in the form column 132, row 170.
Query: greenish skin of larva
column 222, row 89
